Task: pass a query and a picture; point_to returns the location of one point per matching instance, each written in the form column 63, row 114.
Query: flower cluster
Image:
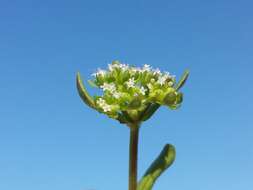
column 131, row 89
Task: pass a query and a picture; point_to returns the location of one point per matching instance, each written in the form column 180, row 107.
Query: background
column 49, row 140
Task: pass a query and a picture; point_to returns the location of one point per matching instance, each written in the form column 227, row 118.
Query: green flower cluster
column 132, row 94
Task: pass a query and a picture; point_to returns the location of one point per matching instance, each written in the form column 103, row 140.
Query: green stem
column 133, row 156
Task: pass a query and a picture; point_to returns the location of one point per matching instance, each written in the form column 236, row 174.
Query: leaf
column 182, row 80
column 127, row 117
column 162, row 162
column 83, row 93
column 149, row 111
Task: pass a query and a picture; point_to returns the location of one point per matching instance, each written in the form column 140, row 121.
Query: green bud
column 170, row 98
column 179, row 98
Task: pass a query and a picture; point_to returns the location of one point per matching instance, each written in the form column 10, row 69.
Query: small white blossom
column 143, row 90
column 112, row 89
column 124, row 67
column 146, row 68
column 111, row 67
column 134, row 70
column 109, row 86
column 156, row 72
column 169, row 75
column 101, row 102
column 130, row 83
column 161, row 80
column 116, row 94
column 106, row 108
column 99, row 72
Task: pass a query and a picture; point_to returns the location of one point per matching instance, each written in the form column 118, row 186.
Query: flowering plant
column 131, row 95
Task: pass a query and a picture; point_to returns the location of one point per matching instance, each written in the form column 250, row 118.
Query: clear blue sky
column 49, row 140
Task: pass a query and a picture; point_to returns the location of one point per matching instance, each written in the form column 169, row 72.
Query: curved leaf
column 83, row 92
column 162, row 162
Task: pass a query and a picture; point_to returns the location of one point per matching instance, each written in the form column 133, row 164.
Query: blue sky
column 49, row 140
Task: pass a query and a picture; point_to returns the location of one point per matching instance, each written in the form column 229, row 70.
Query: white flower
column 161, row 80
column 106, row 108
column 143, row 90
column 130, row 83
column 101, row 102
column 169, row 75
column 146, row 68
column 108, row 86
column 112, row 89
column 156, row 71
column 124, row 67
column 99, row 72
column 112, row 66
column 116, row 94
column 134, row 70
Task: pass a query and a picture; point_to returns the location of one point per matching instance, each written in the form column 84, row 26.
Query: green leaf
column 149, row 111
column 182, row 80
column 83, row 92
column 160, row 164
column 127, row 117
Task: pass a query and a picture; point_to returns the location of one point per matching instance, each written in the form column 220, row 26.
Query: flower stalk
column 133, row 156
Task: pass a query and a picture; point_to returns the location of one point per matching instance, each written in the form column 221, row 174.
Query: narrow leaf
column 182, row 80
column 162, row 162
column 149, row 111
column 83, row 93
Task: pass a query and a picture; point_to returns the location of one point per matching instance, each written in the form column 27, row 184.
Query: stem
column 133, row 156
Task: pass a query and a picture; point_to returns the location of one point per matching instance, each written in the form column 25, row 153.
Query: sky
column 50, row 140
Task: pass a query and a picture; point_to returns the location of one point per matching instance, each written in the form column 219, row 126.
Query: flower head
column 132, row 90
